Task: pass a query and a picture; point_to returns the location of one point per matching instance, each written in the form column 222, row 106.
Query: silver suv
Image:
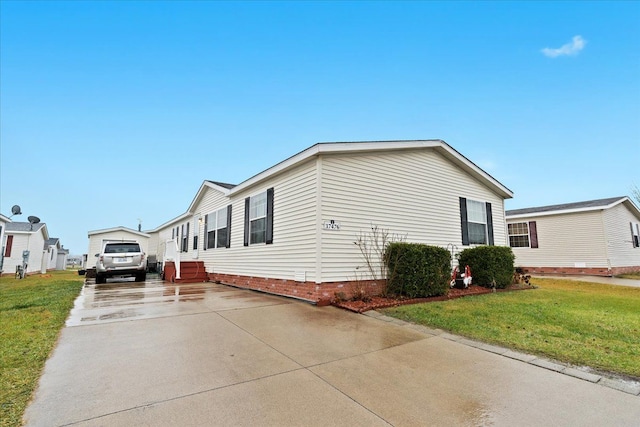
column 121, row 259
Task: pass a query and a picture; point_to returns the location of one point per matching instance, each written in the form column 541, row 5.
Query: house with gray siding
column 594, row 237
column 291, row 229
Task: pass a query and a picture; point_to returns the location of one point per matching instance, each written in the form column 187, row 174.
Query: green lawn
column 576, row 322
column 32, row 312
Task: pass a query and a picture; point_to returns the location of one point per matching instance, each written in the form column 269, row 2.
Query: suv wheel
column 141, row 277
column 100, row 278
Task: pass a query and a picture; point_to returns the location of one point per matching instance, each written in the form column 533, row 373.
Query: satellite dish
column 33, row 219
column 15, row 209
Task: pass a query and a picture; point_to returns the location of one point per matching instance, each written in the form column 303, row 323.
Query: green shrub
column 417, row 271
column 489, row 264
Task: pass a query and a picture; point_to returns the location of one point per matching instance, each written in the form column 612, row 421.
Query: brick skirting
column 603, row 271
column 310, row 291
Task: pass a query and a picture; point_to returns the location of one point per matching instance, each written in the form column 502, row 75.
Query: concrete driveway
column 158, row 354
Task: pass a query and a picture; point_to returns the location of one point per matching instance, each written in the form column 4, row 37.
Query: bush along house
column 595, row 237
column 290, row 230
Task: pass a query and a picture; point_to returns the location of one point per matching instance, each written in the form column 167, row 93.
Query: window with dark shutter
column 258, row 218
column 635, row 237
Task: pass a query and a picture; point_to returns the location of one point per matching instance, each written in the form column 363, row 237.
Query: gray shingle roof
column 566, row 206
column 222, row 184
column 23, row 226
column 51, row 241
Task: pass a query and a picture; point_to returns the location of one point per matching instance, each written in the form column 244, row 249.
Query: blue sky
column 109, row 110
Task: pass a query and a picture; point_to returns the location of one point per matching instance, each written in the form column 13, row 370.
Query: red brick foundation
column 580, row 271
column 319, row 293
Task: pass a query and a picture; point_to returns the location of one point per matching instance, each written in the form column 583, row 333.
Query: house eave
column 625, row 200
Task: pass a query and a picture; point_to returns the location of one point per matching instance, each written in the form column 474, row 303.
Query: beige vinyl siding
column 414, row 193
column 618, row 236
column 95, row 243
column 565, row 240
column 293, row 248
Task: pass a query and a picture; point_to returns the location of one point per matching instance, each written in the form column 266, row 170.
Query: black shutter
column 489, row 224
column 7, row 250
column 635, row 239
column 247, row 204
column 228, row 243
column 533, row 234
column 205, row 238
column 269, row 238
column 463, row 221
column 186, row 240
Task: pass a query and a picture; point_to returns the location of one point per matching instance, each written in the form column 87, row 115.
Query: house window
column 476, row 222
column 518, row 235
column 635, row 235
column 258, row 218
column 184, row 246
column 217, row 229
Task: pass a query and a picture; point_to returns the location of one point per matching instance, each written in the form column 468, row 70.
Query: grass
column 32, row 313
column 584, row 324
column 635, row 275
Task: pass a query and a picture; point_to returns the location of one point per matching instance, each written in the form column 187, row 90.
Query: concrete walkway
column 207, row 355
column 597, row 279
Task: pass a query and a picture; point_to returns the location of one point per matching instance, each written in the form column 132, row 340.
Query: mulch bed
column 385, row 302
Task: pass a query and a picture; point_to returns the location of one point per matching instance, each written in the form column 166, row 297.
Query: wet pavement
column 159, row 354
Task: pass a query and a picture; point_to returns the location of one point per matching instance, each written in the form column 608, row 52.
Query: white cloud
column 576, row 45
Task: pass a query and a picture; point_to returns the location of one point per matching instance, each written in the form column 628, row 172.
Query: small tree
column 373, row 245
column 635, row 193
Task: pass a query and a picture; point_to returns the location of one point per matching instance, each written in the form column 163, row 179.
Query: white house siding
column 52, row 257
column 293, row 249
column 565, row 240
column 414, row 193
column 95, row 243
column 34, row 243
column 618, row 236
column 3, row 224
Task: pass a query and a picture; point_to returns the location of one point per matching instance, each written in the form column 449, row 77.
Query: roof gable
column 378, row 146
column 120, row 228
column 24, row 227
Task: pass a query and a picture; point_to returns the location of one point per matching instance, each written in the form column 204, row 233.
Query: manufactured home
column 98, row 237
column 291, row 229
column 595, row 237
column 25, row 244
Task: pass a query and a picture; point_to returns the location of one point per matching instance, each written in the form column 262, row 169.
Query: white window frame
column 519, row 234
column 473, row 219
column 258, row 212
column 213, row 226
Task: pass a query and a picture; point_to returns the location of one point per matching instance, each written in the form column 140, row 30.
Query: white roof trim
column 172, row 221
column 577, row 210
column 109, row 230
column 5, row 218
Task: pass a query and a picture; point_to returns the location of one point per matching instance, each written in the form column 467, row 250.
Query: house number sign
column 331, row 225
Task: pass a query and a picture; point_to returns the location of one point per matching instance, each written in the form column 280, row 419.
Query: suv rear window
column 121, row 248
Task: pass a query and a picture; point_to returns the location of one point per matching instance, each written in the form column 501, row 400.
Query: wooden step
column 190, row 272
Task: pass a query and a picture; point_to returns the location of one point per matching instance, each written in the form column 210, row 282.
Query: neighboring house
column 291, row 229
column 596, row 237
column 26, row 240
column 97, row 237
column 57, row 254
column 3, row 225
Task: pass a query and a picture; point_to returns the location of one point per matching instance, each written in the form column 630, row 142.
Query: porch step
column 190, row 272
